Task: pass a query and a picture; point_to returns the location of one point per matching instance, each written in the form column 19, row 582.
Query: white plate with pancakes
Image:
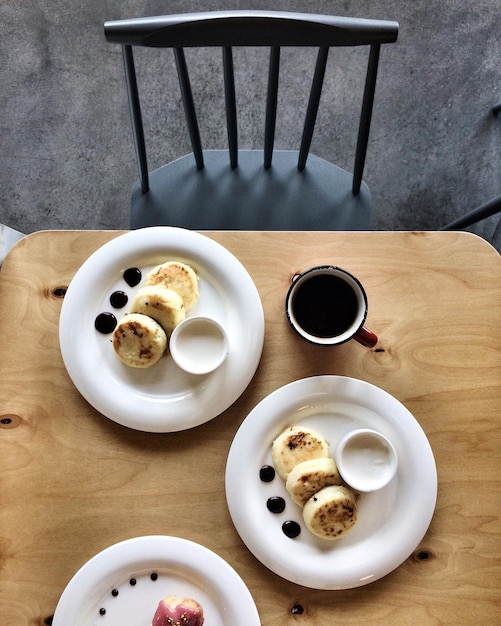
column 391, row 522
column 161, row 398
column 124, row 584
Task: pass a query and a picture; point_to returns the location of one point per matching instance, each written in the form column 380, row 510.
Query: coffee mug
column 327, row 306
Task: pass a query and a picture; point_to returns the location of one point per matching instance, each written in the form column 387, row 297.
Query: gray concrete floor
column 67, row 158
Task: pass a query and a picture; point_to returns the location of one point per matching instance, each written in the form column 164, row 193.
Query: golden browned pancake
column 294, row 445
column 177, row 276
column 308, row 477
column 139, row 340
column 163, row 305
column 331, row 513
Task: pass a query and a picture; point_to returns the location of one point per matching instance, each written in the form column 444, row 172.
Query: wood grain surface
column 73, row 482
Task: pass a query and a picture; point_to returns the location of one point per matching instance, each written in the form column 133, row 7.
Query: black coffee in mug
column 325, row 305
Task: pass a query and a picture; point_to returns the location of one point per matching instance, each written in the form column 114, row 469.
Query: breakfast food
column 163, row 305
column 177, row 276
column 139, row 340
column 312, row 480
column 294, row 445
column 307, row 478
column 331, row 513
column 173, row 611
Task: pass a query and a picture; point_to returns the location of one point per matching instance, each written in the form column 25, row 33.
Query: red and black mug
column 327, row 306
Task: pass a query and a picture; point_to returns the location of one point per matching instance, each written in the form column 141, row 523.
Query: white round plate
column 161, row 398
column 391, row 522
column 119, row 582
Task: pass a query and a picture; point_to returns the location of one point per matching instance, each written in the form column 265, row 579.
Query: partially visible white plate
column 128, row 580
column 391, row 522
column 161, row 398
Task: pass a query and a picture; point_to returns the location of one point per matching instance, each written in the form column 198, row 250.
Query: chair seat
column 250, row 197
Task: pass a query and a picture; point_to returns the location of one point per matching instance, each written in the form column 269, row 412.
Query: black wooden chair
column 482, row 212
column 251, row 189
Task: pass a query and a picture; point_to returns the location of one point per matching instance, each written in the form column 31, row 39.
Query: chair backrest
column 273, row 29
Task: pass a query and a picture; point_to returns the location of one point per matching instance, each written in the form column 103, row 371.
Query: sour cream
column 199, row 345
column 366, row 460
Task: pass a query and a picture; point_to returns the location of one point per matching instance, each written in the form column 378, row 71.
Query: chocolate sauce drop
column 132, row 276
column 267, row 473
column 118, row 299
column 291, row 529
column 105, row 323
column 275, row 504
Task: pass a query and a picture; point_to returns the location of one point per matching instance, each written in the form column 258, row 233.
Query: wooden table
column 73, row 482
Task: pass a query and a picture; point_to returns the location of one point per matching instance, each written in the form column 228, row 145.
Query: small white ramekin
column 366, row 460
column 199, row 345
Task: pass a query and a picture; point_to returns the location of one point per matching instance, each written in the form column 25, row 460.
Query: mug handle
column 366, row 337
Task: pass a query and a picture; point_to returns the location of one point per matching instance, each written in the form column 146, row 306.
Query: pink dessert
column 172, row 611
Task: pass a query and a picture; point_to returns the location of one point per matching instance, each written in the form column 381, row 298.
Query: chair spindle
column 189, row 106
column 485, row 210
column 365, row 117
column 135, row 116
column 313, row 103
column 231, row 105
column 271, row 105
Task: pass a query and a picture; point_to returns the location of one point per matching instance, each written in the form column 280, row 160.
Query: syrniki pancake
column 308, row 477
column 294, row 445
column 331, row 512
column 139, row 340
column 177, row 276
column 163, row 305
